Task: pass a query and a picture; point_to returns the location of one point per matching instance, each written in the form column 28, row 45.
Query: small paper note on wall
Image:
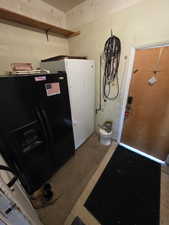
column 52, row 89
column 152, row 80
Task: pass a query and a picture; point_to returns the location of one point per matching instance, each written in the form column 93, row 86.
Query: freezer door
column 56, row 112
column 23, row 137
column 81, row 79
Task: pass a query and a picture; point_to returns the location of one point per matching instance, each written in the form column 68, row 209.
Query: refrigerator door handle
column 48, row 127
column 42, row 124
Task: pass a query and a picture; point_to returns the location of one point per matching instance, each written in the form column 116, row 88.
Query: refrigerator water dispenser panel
column 28, row 138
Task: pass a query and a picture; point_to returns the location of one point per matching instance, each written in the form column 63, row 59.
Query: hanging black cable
column 14, row 179
column 112, row 52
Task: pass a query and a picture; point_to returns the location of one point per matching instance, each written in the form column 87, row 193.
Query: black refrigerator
column 36, row 134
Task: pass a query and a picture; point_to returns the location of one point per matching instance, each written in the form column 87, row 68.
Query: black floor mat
column 128, row 191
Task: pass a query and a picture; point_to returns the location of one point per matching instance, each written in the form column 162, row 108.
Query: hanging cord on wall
column 14, row 179
column 112, row 52
column 100, row 87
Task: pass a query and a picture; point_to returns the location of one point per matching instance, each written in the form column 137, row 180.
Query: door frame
column 126, row 92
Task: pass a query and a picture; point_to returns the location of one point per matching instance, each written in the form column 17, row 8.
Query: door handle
column 48, row 127
column 128, row 106
column 130, row 100
column 42, row 123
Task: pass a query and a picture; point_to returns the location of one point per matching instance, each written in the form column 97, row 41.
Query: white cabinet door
column 81, row 80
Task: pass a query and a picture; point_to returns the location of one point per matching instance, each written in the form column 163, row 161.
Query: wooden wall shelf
column 24, row 20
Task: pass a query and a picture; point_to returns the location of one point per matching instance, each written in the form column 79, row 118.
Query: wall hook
column 111, row 33
column 47, row 34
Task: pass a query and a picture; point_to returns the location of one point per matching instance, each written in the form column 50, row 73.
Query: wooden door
column 146, row 125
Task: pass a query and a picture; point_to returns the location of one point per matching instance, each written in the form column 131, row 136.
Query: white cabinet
column 81, row 82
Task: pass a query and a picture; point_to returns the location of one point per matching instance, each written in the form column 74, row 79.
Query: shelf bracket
column 30, row 22
column 47, row 34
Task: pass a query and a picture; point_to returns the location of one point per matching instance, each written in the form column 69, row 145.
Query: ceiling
column 64, row 5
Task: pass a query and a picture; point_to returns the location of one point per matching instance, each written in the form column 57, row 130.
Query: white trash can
column 105, row 136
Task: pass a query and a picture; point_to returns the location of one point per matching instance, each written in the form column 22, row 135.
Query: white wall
column 36, row 9
column 136, row 23
column 91, row 10
column 23, row 44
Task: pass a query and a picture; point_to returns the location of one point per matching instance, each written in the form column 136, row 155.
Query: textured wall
column 138, row 23
column 36, row 9
column 91, row 10
column 22, row 44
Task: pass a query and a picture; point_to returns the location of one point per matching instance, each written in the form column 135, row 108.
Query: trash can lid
column 104, row 132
